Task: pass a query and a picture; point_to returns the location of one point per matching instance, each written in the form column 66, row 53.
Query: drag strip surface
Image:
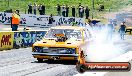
column 19, row 62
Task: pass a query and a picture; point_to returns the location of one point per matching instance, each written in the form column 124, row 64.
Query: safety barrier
column 10, row 40
column 41, row 20
column 6, row 40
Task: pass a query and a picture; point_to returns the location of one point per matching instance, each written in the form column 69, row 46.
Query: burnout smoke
column 103, row 48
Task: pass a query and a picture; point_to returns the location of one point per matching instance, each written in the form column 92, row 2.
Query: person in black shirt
column 30, row 9
column 67, row 10
column 58, row 10
column 51, row 20
column 43, row 9
column 63, row 11
column 122, row 30
column 73, row 11
column 87, row 12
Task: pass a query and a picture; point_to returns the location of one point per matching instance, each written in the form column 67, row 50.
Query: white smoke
column 103, row 48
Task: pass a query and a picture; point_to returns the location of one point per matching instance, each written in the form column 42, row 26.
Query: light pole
column 92, row 8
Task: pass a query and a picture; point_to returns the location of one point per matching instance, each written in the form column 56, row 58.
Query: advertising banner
column 26, row 39
column 6, row 40
column 41, row 21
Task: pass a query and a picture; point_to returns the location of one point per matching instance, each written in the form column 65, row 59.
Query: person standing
column 51, row 20
column 81, row 11
column 79, row 8
column 73, row 11
column 122, row 30
column 63, row 11
column 40, row 9
column 15, row 21
column 30, row 8
column 87, row 12
column 110, row 28
column 43, row 9
column 58, row 10
column 67, row 11
column 35, row 8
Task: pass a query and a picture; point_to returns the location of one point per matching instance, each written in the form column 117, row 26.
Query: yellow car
column 61, row 43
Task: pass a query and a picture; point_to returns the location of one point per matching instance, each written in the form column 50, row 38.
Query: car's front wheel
column 40, row 60
column 80, row 68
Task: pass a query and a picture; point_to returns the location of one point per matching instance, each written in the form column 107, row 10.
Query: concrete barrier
column 18, row 39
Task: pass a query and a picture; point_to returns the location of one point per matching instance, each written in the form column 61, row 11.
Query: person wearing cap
column 122, row 30
column 15, row 21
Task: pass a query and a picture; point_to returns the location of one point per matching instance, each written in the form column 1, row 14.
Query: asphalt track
column 19, row 62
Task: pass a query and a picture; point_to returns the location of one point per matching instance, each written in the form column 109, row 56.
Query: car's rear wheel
column 40, row 60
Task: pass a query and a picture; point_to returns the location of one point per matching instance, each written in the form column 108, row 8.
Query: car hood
column 52, row 43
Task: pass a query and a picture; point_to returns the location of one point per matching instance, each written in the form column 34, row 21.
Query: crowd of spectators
column 62, row 10
column 32, row 9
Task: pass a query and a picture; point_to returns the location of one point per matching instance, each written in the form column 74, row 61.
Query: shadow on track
column 65, row 62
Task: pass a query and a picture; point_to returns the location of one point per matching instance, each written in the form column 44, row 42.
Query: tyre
column 40, row 60
column 80, row 68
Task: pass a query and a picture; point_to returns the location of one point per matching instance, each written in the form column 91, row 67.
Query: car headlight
column 38, row 49
column 71, row 50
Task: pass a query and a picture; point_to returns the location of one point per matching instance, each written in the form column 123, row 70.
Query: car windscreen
column 69, row 33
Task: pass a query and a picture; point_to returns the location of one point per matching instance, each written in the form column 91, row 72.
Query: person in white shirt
column 35, row 8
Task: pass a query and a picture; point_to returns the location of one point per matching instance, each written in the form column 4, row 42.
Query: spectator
column 87, row 12
column 101, row 8
column 81, row 11
column 73, row 11
column 122, row 30
column 30, row 8
column 110, row 30
column 15, row 21
column 79, row 8
column 58, row 10
column 40, row 9
column 63, row 11
column 67, row 10
column 17, row 12
column 43, row 9
column 35, row 8
column 51, row 20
